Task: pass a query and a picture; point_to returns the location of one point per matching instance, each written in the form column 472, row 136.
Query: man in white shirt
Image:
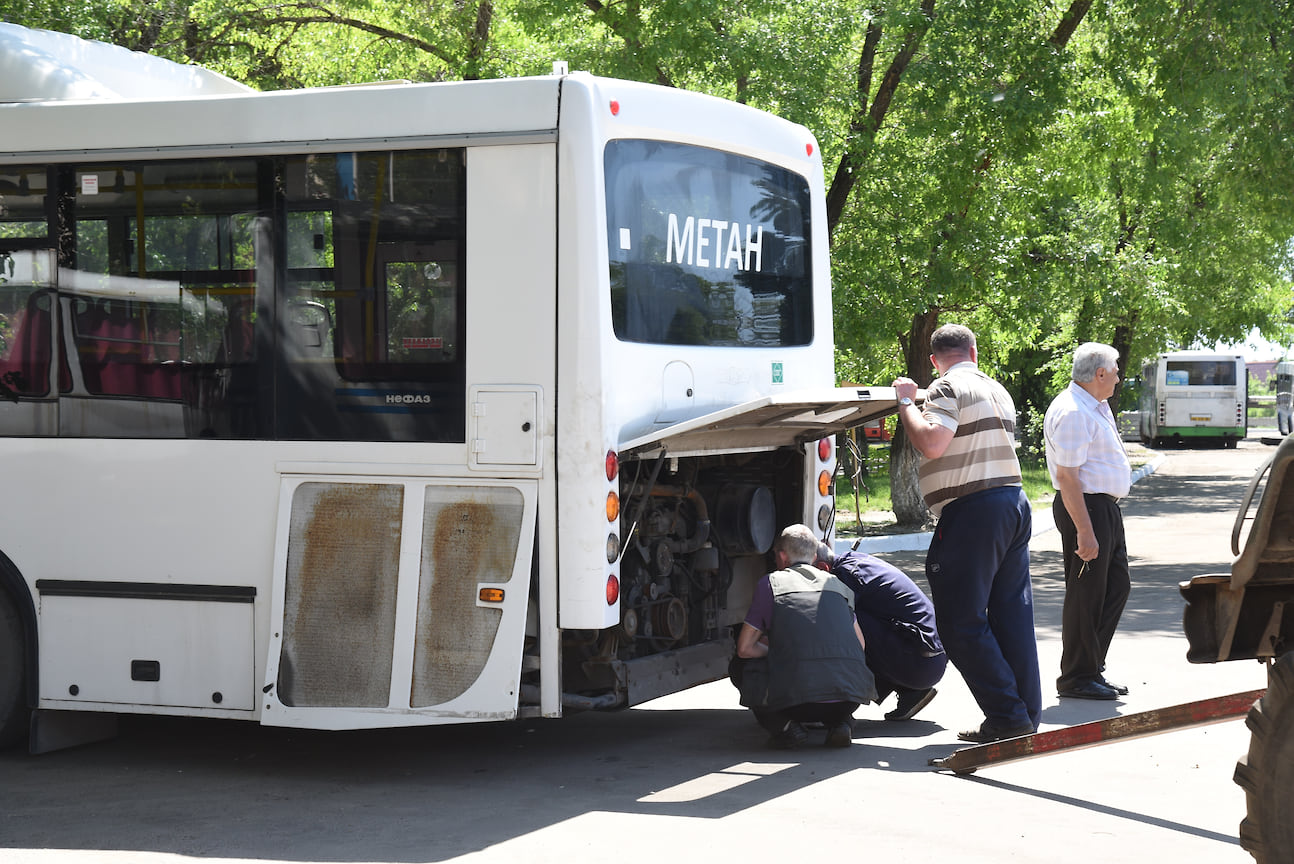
column 1090, row 471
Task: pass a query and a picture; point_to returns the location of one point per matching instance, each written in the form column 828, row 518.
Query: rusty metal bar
column 1084, row 735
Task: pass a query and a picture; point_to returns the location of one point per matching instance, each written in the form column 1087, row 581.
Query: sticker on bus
column 422, row 342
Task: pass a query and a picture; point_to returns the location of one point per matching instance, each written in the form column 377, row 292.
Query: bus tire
column 14, row 714
column 1267, row 772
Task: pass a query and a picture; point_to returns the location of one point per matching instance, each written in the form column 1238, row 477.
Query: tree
column 966, row 90
column 1045, row 192
column 1116, row 172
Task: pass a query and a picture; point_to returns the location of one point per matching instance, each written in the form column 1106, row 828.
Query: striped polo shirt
column 982, row 453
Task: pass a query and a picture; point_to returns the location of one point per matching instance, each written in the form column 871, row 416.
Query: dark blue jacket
column 886, row 594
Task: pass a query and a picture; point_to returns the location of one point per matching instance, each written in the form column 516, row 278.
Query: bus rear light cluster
column 825, row 450
column 613, row 497
column 612, row 464
column 826, row 512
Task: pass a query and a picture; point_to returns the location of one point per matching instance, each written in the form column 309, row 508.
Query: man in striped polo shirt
column 1090, row 471
column 978, row 562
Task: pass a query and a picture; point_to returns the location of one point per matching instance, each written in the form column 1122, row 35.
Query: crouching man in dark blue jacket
column 803, row 650
column 898, row 621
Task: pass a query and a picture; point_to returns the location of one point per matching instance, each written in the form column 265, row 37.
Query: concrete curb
column 920, row 541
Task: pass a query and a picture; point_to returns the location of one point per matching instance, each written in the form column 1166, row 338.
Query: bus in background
column 1194, row 395
column 398, row 404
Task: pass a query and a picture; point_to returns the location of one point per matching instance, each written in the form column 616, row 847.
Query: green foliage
column 1046, row 173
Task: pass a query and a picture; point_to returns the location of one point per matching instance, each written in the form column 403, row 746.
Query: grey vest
column 813, row 653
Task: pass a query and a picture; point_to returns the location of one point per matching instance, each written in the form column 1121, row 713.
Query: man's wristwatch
column 906, row 400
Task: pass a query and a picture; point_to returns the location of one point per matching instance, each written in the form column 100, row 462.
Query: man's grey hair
column 826, row 555
column 1091, row 356
column 952, row 339
column 799, row 543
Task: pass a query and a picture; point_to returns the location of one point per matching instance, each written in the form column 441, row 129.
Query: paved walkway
column 919, row 541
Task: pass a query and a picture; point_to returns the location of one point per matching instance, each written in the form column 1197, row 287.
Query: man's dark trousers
column 1095, row 599
column 897, row 658
column 978, row 570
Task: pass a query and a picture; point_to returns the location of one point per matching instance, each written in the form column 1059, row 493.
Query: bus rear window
column 706, row 248
column 1200, row 373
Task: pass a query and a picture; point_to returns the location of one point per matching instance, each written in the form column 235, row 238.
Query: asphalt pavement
column 687, row 778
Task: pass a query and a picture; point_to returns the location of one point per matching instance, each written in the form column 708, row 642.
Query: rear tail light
column 824, row 449
column 825, row 513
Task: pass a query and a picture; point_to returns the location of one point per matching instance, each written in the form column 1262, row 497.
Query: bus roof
column 1200, row 354
column 41, row 65
column 64, row 99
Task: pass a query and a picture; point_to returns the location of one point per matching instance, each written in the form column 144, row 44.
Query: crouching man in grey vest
column 800, row 651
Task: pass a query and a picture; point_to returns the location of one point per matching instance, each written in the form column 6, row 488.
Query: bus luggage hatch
column 398, row 602
column 768, row 423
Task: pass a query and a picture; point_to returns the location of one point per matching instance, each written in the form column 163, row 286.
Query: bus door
column 29, row 367
column 398, row 601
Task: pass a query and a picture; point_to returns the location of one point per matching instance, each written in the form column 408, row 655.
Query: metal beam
column 1084, row 735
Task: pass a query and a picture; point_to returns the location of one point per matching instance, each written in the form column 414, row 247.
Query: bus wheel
column 1267, row 773
column 14, row 716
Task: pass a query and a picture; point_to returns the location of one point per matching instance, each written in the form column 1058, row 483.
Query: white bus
column 1193, row 395
column 398, row 405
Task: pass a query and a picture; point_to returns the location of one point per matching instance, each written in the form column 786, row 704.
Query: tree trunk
column 909, row 507
column 1122, row 342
